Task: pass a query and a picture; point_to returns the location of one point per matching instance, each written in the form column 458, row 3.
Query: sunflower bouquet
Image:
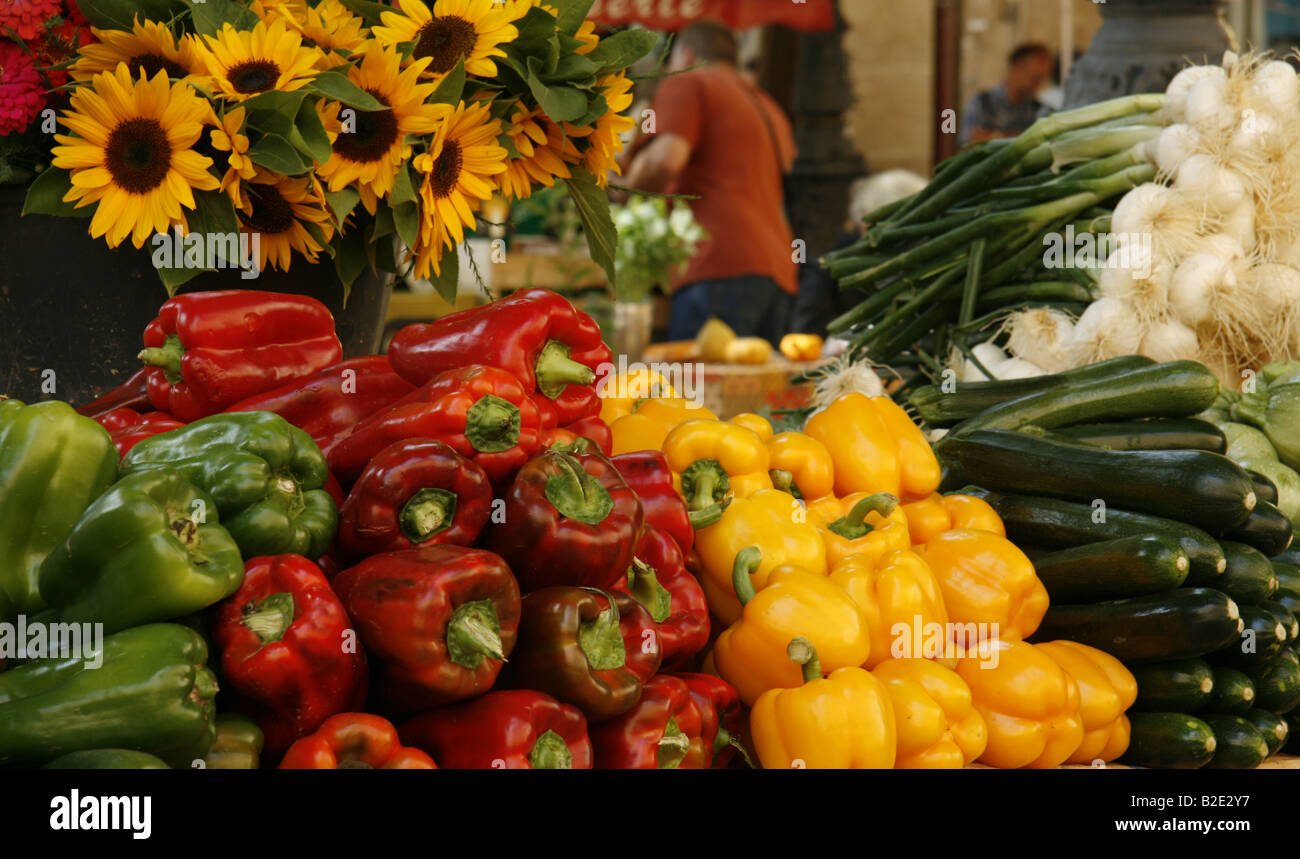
column 356, row 131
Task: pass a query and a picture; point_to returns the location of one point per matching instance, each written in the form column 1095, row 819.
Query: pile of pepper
column 461, row 555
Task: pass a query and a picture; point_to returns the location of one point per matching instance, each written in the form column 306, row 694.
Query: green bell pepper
column 1277, row 412
column 53, row 463
column 148, row 549
column 265, row 475
column 238, row 745
column 107, row 759
column 150, row 692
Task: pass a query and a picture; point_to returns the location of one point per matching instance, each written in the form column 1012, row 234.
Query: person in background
column 1012, row 106
column 820, row 299
column 721, row 139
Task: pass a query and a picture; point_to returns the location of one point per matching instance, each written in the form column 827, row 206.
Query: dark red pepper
column 552, row 347
column 659, row 581
column 355, row 741
column 595, row 429
column 482, row 412
column 330, row 402
column 127, row 427
column 131, row 394
column 647, row 472
column 513, row 729
column 724, row 718
column 663, row 731
column 288, row 649
column 438, row 622
column 569, row 519
column 209, row 350
column 414, row 492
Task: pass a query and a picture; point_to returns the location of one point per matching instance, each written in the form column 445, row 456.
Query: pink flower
column 21, row 94
column 28, row 17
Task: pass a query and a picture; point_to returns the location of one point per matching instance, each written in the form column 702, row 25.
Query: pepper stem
column 706, row 517
column 555, row 370
column 578, row 445
column 575, row 493
column 673, row 746
column 747, row 561
column 704, row 482
column 855, row 524
column 801, row 650
column 167, row 356
column 644, row 585
column 550, row 752
column 269, row 618
column 492, row 424
column 784, row 481
column 474, row 633
column 601, row 639
column 725, row 738
column 426, row 513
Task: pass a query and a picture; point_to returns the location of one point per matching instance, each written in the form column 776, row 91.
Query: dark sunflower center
column 271, row 212
column 446, row 170
column 372, row 134
column 153, row 64
column 138, row 155
column 448, row 40
column 253, row 76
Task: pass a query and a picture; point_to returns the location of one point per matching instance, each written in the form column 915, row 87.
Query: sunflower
column 244, row 63
column 604, row 140
column 454, row 30
column 542, row 149
column 226, row 137
column 148, row 45
column 457, row 172
column 330, row 26
column 370, row 146
column 133, row 153
column 287, row 214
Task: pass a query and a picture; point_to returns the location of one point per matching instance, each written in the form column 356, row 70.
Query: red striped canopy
column 673, row 15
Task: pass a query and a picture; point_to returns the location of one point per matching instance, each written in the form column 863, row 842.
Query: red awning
column 673, row 15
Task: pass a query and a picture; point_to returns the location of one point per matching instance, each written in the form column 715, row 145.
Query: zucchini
column 940, row 408
column 1204, row 489
column 1265, row 489
column 1291, row 557
column 1153, row 628
column 1263, row 636
column 1277, row 682
column 1156, row 434
column 1238, row 745
column 1267, row 529
column 1180, row 686
column 1273, row 727
column 1172, row 741
column 1055, row 523
column 1127, row 567
column 1234, row 692
column 1286, row 616
column 1288, row 574
column 1287, row 599
column 1249, row 577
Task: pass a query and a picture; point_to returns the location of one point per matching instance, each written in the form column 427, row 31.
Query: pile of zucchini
column 1153, row 544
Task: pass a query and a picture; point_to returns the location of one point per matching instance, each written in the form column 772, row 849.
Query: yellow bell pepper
column 986, row 580
column 761, row 426
column 800, row 465
column 1029, row 704
column 937, row 724
column 802, row 347
column 650, row 422
column 621, row 392
column 1106, row 690
column 844, row 721
column 712, row 459
column 875, row 447
column 769, row 519
column 860, row 524
column 900, row 602
column 934, row 514
column 750, row 654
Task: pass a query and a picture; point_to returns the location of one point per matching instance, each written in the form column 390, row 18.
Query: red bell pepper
column 131, row 394
column 513, row 729
column 592, row 649
column 569, row 519
column 355, row 741
column 595, row 429
column 209, row 350
column 438, row 622
column 724, row 718
column 330, row 402
column 552, row 347
column 647, row 472
column 482, row 412
column 127, row 427
column 288, row 649
column 414, row 492
column 663, row 731
column 659, row 581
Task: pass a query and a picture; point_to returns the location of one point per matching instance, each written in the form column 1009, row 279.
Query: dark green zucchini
column 1263, row 636
column 1249, row 577
column 1233, row 692
column 1157, row 434
column 1180, row 686
column 1286, row 616
column 1267, row 529
column 1291, row 557
column 943, row 408
column 1238, row 745
column 1277, row 682
column 1204, row 489
column 1055, row 523
column 1287, row 599
column 1168, row 741
column 1127, row 567
column 1288, row 575
column 1153, row 628
column 1265, row 489
column 1272, row 726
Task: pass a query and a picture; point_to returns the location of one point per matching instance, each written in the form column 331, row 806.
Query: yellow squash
column 748, row 350
column 937, row 724
column 875, row 447
column 901, row 604
column 986, row 581
column 1106, row 690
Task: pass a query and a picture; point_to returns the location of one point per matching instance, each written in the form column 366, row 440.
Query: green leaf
column 338, row 87
column 561, row 103
column 212, row 213
column 274, row 111
column 372, row 12
column 308, row 134
column 622, row 49
column 406, row 218
column 572, row 14
column 174, row 278
column 350, row 259
column 596, row 108
column 343, row 201
column 572, row 67
column 275, row 153
column 45, row 196
column 384, row 225
column 403, row 187
column 593, row 209
column 211, row 15
column 447, row 282
column 536, row 28
column 118, row 14
column 452, row 87
column 508, row 145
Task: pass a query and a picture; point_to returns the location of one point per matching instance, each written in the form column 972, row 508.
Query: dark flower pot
column 72, row 310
